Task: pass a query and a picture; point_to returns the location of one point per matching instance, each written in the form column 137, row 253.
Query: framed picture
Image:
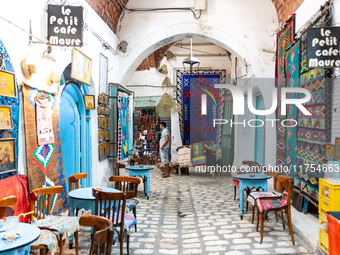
column 106, row 122
column 100, row 135
column 103, row 122
column 7, row 155
column 7, row 84
column 5, row 118
column 337, row 149
column 81, row 67
column 106, row 99
column 329, row 151
column 106, row 135
column 107, row 111
column 89, row 102
column 101, row 151
column 100, row 122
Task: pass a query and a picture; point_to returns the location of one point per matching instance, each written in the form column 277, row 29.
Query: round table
column 256, row 181
column 83, row 199
column 29, row 233
column 142, row 172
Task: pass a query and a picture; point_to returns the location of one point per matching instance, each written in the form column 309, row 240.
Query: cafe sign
column 65, row 25
column 323, row 49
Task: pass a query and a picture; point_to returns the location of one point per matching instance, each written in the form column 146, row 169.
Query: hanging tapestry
column 123, row 127
column 44, row 121
column 44, row 163
column 313, row 130
column 5, row 64
column 198, row 155
column 284, row 39
column 292, row 73
column 194, row 126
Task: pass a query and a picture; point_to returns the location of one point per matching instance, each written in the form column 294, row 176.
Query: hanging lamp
column 191, row 60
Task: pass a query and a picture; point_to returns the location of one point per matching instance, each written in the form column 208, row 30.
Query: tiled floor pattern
column 197, row 215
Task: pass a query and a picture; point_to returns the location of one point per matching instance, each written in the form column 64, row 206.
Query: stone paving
column 197, row 215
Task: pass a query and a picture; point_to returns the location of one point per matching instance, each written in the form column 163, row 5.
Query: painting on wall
column 7, row 84
column 89, row 102
column 337, row 149
column 101, row 151
column 100, row 122
column 100, row 135
column 106, row 135
column 7, row 155
column 329, row 152
column 5, row 118
column 81, row 67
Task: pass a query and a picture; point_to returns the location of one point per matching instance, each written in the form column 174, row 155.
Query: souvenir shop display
column 103, row 126
column 147, row 136
column 5, row 118
column 89, row 102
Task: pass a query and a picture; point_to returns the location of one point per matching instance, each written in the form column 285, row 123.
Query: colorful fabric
column 165, row 155
column 129, row 220
column 16, row 185
column 123, row 127
column 184, row 156
column 65, row 225
column 265, row 205
column 253, row 196
column 284, row 39
column 194, row 126
column 6, row 64
column 48, row 239
column 292, row 74
column 44, row 121
column 131, row 204
column 198, row 155
column 44, row 163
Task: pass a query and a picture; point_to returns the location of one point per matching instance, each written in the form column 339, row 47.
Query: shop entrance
column 74, row 131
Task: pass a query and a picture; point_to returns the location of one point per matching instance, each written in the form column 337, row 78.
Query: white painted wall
column 16, row 42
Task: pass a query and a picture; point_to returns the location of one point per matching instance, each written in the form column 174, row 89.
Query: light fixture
column 191, row 60
column 47, row 54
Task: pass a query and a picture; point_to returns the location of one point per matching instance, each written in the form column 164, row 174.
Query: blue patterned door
column 70, row 134
column 259, row 133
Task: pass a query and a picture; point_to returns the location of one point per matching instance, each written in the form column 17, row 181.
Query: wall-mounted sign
column 64, row 25
column 323, row 49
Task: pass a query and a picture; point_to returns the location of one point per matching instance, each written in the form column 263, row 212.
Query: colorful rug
column 284, row 39
column 6, row 64
column 44, row 163
column 123, row 127
column 292, row 73
column 183, row 157
column 194, row 126
column 198, row 155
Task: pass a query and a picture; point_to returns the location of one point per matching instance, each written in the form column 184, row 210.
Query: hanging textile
column 198, row 154
column 196, row 127
column 44, row 121
column 292, row 73
column 312, row 130
column 5, row 64
column 16, row 185
column 123, row 127
column 44, row 163
column 284, row 39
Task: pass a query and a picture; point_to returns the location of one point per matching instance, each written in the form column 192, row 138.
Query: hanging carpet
column 44, row 163
column 123, row 127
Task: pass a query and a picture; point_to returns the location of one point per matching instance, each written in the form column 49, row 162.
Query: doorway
column 259, row 150
column 74, row 133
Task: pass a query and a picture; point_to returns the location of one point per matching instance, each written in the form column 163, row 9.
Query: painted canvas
column 5, row 118
column 44, row 120
column 7, row 84
column 123, row 127
column 89, row 102
column 100, row 98
column 106, row 135
column 101, row 151
column 107, row 149
column 100, row 135
column 100, row 122
column 329, row 152
column 81, row 67
column 7, row 155
column 337, row 149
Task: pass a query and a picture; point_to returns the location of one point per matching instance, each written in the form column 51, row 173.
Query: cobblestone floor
column 197, row 215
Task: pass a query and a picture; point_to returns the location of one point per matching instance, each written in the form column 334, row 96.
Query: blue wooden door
column 70, row 135
column 259, row 132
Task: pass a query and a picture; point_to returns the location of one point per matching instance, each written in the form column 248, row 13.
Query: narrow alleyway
column 197, row 215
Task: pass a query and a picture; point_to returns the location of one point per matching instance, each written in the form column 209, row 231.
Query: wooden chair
column 132, row 162
column 73, row 181
column 274, row 175
column 119, row 166
column 112, row 207
column 5, row 203
column 41, row 204
column 128, row 185
column 102, row 237
column 282, row 205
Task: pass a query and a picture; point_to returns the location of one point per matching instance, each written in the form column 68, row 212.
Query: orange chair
column 5, row 209
column 73, row 181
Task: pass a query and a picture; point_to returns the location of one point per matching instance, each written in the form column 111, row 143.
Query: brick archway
column 284, row 8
